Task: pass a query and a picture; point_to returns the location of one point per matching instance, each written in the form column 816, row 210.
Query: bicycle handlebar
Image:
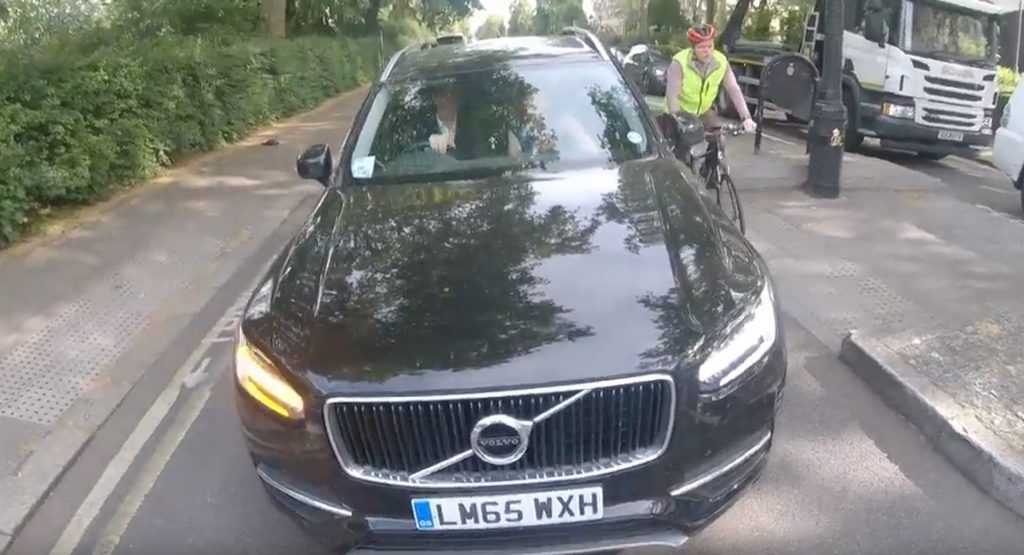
column 730, row 128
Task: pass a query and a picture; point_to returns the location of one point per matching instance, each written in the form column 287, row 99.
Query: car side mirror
column 315, row 163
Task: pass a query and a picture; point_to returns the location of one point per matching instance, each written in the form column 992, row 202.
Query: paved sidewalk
column 83, row 315
column 931, row 287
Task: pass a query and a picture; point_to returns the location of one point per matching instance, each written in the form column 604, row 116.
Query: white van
column 1008, row 147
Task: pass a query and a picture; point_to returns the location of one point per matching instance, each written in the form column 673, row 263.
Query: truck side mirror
column 874, row 27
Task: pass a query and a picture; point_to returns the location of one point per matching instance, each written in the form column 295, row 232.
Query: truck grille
column 582, row 430
column 955, row 95
column 946, row 115
column 946, row 118
column 954, row 84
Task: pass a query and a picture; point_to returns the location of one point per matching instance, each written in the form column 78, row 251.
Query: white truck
column 920, row 75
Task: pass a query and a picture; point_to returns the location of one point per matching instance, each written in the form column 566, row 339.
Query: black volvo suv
column 513, row 322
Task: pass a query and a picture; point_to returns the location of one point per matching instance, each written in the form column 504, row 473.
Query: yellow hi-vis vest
column 697, row 93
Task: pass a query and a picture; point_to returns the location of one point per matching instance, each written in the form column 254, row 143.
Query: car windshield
column 501, row 120
column 946, row 34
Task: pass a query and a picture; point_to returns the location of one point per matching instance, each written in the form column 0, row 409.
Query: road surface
column 169, row 473
column 971, row 181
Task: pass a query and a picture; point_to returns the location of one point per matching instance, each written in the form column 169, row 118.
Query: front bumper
column 719, row 446
column 904, row 134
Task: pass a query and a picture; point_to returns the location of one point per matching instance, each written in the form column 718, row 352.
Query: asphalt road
column 971, row 181
column 169, row 474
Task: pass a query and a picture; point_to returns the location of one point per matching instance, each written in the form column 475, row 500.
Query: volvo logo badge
column 500, row 439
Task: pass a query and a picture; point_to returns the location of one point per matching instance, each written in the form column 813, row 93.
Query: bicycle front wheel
column 729, row 200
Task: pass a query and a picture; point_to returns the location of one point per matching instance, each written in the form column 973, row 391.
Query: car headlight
column 903, row 111
column 748, row 339
column 263, row 383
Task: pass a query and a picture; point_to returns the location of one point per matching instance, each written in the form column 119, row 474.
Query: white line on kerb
column 122, row 460
column 779, row 139
column 998, row 190
column 132, row 446
column 115, row 529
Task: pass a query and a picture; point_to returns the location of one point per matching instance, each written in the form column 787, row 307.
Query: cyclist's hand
column 749, row 126
column 440, row 142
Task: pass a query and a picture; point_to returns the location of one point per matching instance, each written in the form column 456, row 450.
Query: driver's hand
column 440, row 142
column 749, row 126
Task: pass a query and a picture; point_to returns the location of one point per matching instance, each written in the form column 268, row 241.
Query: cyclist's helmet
column 700, row 33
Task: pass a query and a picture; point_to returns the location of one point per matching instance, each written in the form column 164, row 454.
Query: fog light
column 902, row 111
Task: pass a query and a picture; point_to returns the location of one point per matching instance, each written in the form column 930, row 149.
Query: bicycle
column 715, row 172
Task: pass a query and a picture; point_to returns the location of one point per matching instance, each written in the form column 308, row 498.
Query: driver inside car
column 446, row 106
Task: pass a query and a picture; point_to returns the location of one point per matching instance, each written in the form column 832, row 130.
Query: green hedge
column 72, row 126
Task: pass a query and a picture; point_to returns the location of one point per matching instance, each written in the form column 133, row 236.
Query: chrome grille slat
column 952, row 83
column 946, row 93
column 606, row 427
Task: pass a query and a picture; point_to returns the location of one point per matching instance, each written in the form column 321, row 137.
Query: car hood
column 506, row 281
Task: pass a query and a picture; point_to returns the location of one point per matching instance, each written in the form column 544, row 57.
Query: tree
column 32, row 22
column 274, row 18
column 666, row 14
column 612, row 15
column 554, row 15
column 492, row 27
column 520, row 20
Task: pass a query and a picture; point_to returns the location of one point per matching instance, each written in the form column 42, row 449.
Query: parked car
column 1008, row 147
column 450, row 38
column 525, row 324
column 648, row 69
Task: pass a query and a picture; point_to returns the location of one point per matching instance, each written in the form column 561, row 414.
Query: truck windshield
column 945, row 34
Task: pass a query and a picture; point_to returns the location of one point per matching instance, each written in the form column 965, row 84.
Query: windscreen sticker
column 634, row 137
column 362, row 168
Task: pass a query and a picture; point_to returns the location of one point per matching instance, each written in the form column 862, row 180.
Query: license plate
column 951, row 136
column 507, row 511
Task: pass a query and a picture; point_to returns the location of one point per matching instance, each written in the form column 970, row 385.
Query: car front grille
column 579, row 431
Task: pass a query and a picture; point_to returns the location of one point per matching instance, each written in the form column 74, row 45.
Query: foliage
column 1007, row 80
column 666, row 15
column 492, row 27
column 554, row 15
column 146, row 18
column 73, row 126
column 520, row 21
column 29, row 23
column 758, row 24
column 791, row 26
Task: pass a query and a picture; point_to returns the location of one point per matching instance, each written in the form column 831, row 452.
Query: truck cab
column 920, row 75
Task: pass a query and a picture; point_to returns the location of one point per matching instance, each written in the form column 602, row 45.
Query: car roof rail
column 588, row 38
column 394, row 60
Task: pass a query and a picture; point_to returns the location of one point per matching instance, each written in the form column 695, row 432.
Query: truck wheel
column 853, row 138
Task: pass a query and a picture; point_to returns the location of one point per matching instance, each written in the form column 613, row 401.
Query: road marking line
column 196, row 376
column 130, row 449
column 998, row 190
column 168, row 444
column 89, row 508
column 778, row 139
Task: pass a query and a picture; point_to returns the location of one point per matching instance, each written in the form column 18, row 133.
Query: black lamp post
column 828, row 119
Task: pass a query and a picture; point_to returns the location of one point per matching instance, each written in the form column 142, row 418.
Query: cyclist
column 694, row 77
